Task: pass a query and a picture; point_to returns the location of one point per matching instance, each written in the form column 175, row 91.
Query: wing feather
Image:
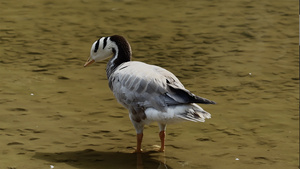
column 137, row 84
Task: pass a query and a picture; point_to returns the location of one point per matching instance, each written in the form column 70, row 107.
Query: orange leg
column 162, row 136
column 139, row 138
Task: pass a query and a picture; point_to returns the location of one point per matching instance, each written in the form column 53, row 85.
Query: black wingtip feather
column 204, row 101
column 186, row 96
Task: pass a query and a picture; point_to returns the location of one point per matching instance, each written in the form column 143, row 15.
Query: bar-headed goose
column 149, row 92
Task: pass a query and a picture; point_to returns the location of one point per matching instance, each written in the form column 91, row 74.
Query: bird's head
column 100, row 50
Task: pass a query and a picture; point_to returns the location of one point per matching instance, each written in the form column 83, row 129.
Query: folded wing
column 136, row 84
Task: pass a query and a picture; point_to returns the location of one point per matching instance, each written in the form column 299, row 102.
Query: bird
column 150, row 93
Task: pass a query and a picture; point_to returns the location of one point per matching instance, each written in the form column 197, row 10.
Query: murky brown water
column 241, row 54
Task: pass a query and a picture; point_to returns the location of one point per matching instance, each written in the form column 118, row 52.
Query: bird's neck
column 121, row 55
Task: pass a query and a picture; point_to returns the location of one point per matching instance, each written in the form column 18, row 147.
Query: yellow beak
column 88, row 62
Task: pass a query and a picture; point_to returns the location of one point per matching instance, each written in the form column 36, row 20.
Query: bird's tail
column 194, row 113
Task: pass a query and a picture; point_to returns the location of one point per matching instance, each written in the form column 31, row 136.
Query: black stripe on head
column 123, row 45
column 105, row 42
column 97, row 46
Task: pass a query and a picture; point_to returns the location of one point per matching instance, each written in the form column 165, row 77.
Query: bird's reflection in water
column 95, row 159
column 162, row 162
